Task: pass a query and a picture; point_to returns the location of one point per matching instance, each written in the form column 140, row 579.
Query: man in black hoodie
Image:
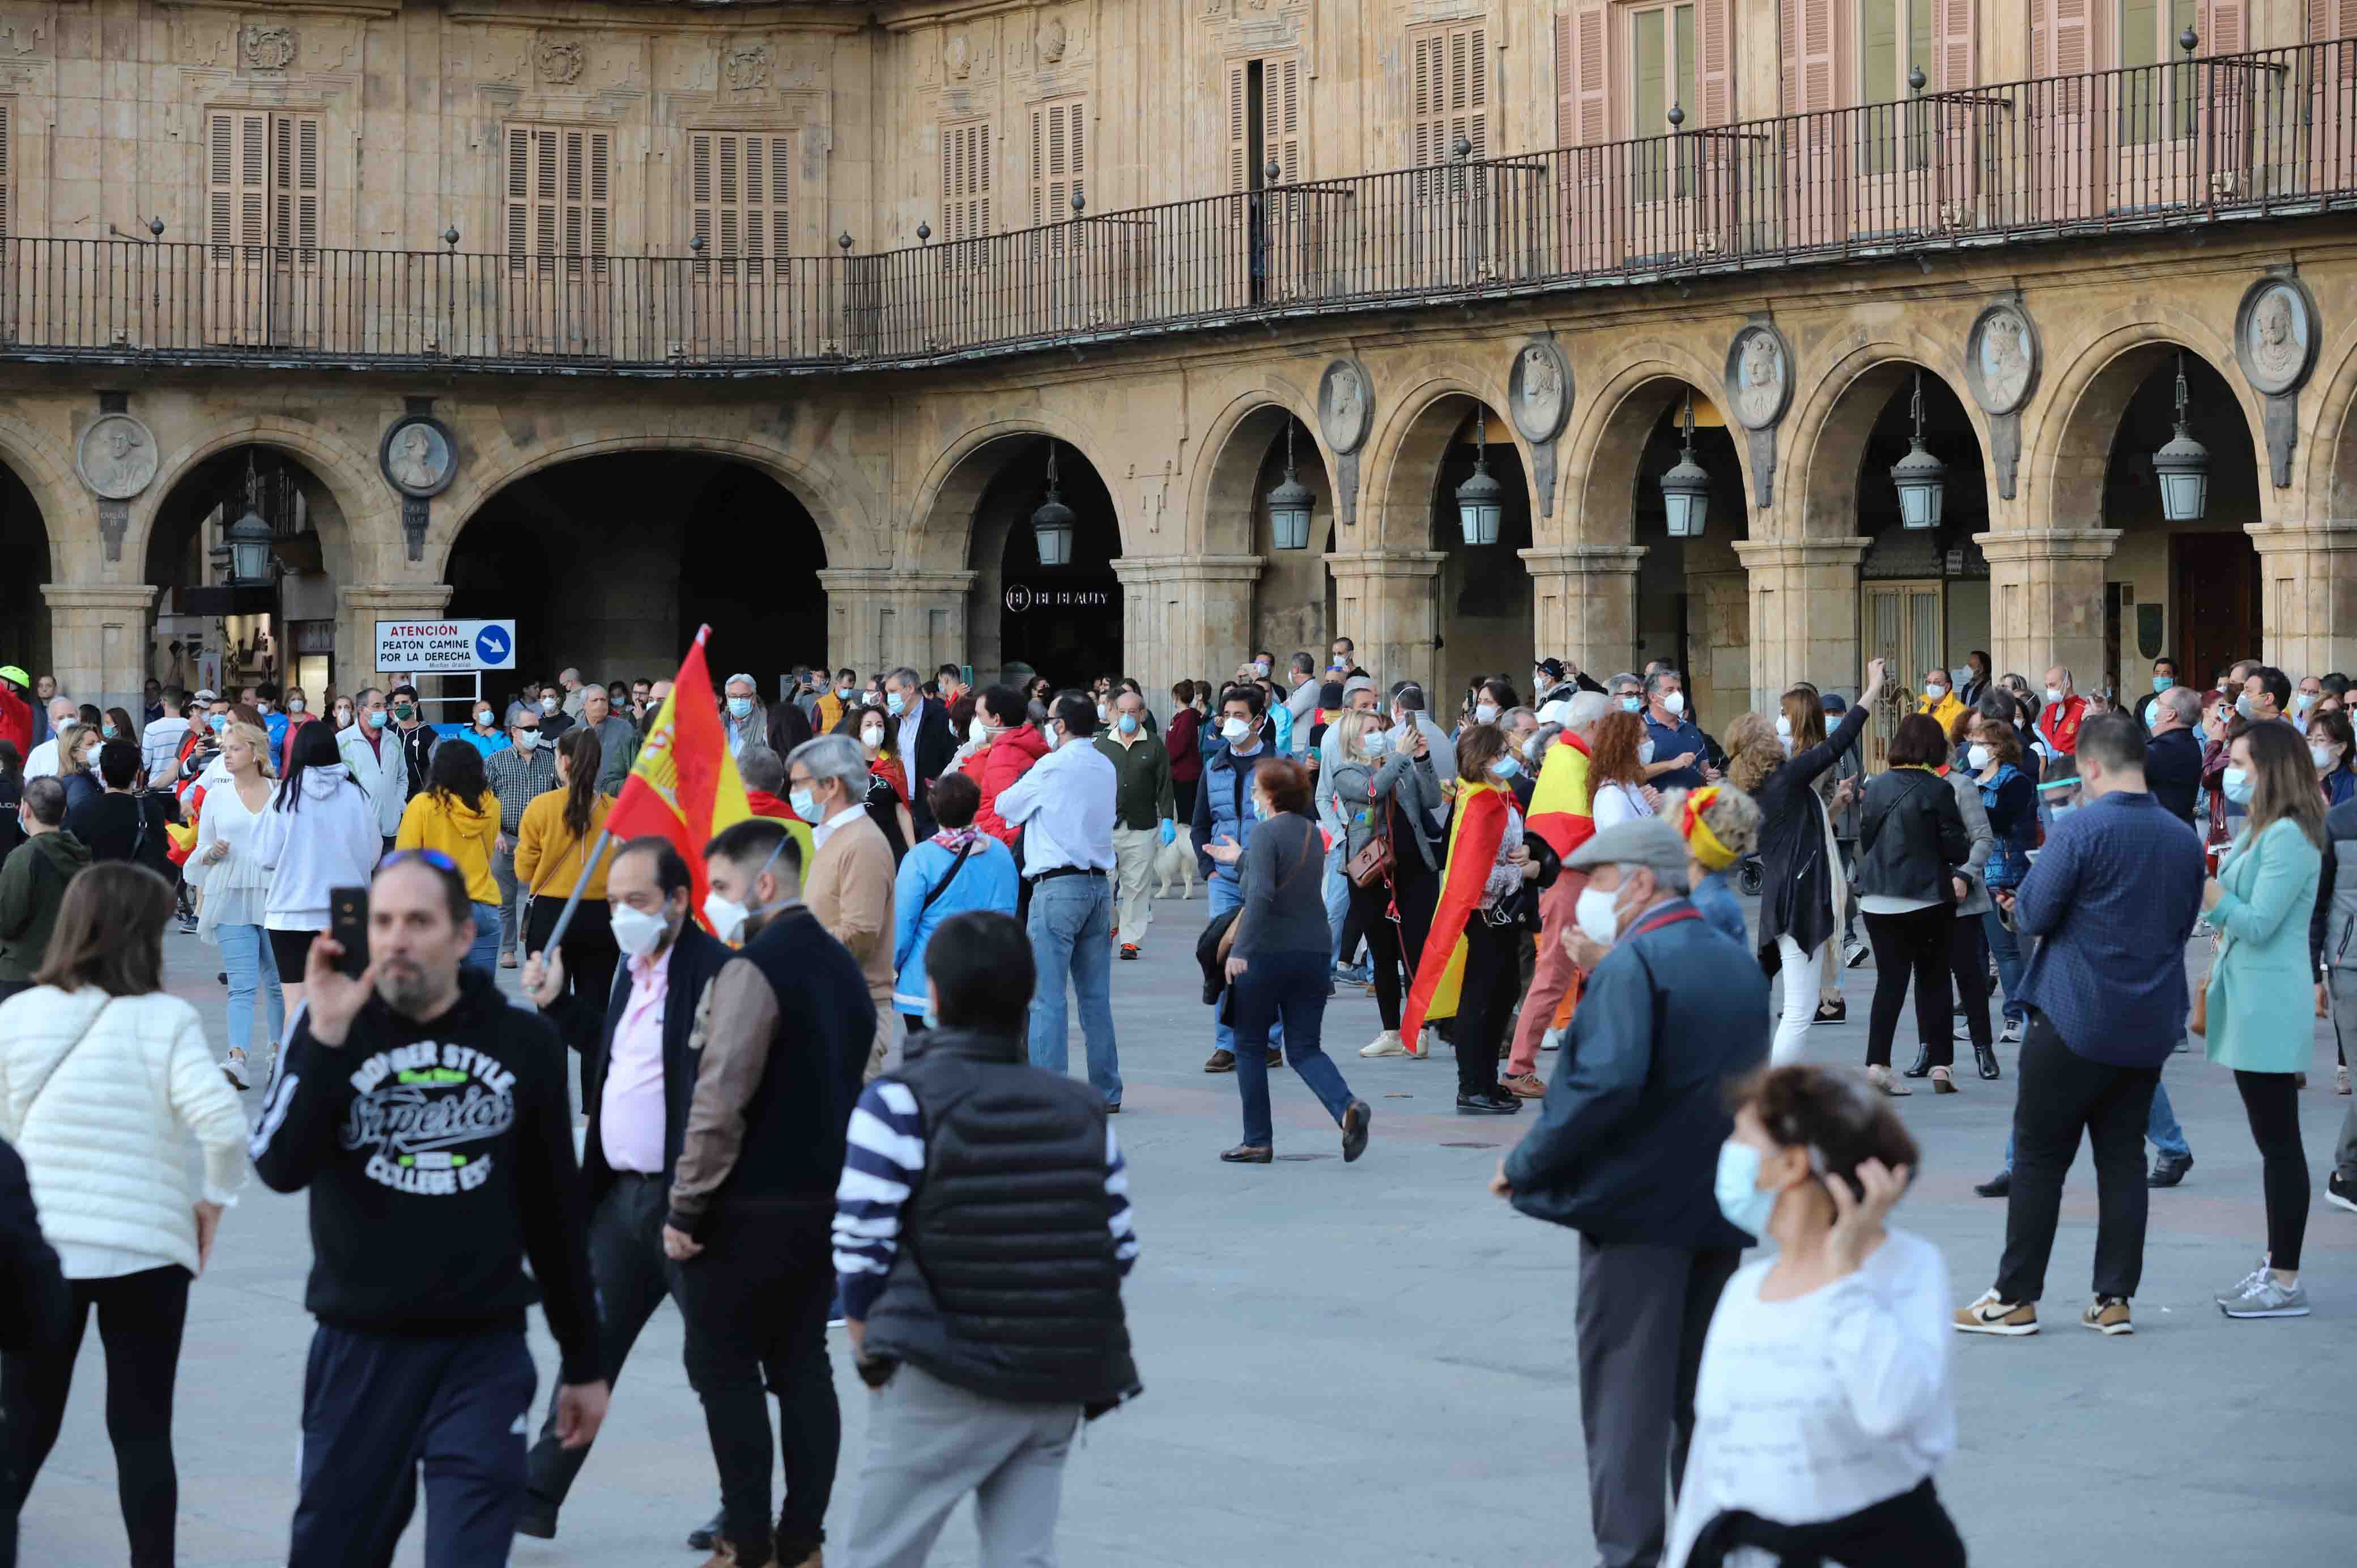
column 430, row 1122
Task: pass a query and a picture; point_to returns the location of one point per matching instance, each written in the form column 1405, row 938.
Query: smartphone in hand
column 347, row 924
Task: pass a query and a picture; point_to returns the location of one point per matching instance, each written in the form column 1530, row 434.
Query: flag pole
column 556, row 936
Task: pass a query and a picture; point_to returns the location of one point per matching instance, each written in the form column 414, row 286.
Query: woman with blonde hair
column 1720, row 824
column 78, row 747
column 225, row 867
column 2258, row 1006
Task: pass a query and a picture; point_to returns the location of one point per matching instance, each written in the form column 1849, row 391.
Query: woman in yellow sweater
column 458, row 817
column 552, row 840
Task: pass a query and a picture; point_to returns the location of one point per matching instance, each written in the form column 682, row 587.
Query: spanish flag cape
column 1474, row 834
column 1560, row 802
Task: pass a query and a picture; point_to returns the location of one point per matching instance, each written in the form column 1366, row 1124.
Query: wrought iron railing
column 2271, row 133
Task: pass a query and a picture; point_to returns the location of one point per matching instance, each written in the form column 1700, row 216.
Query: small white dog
column 1175, row 861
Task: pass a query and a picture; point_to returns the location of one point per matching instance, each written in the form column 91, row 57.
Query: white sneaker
column 2012, row 1032
column 1387, row 1043
column 1420, row 1049
column 234, row 1068
column 1552, row 1040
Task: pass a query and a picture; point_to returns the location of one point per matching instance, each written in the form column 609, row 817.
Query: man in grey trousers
column 982, row 1231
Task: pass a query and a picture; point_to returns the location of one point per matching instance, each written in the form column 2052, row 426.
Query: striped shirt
column 518, row 778
column 885, row 1158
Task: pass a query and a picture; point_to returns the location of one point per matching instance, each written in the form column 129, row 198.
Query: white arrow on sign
column 494, row 644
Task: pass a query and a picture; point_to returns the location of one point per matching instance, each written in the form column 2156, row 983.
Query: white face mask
column 978, row 732
column 2322, row 754
column 1531, row 748
column 1674, row 703
column 1105, row 711
column 638, row 933
column 727, row 915
column 1598, row 915
column 1783, row 727
column 1934, row 691
column 2054, row 694
column 1976, row 758
column 1485, row 713
column 1644, row 754
column 1374, row 743
column 1235, row 730
column 549, row 704
column 296, row 705
column 871, row 737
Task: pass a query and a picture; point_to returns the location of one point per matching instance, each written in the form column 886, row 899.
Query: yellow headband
column 1704, row 844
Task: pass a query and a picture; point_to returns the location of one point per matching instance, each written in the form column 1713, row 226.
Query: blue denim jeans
column 1291, row 986
column 1224, row 896
column 1072, row 934
column 1337, row 898
column 2161, row 1129
column 246, row 958
column 485, row 954
column 2007, row 947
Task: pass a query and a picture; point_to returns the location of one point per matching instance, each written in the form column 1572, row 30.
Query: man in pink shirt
column 641, row 1080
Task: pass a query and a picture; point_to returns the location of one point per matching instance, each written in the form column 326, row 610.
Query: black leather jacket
column 1910, row 836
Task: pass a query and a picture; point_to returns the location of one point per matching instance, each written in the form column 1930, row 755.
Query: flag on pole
column 684, row 786
column 1474, row 837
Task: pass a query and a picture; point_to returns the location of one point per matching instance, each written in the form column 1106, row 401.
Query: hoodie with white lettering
column 439, row 1156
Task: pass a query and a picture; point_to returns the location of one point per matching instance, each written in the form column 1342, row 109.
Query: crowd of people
column 819, row 1097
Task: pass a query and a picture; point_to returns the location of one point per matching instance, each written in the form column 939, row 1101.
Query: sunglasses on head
column 433, row 857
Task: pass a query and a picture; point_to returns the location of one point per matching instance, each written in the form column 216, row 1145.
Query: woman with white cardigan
column 319, row 833
column 103, row 1080
column 236, row 886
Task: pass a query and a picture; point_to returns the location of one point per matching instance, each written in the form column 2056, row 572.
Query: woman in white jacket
column 319, row 833
column 104, row 1079
column 236, row 886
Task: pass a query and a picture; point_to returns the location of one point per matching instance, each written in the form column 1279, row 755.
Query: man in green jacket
column 32, row 883
column 1144, row 812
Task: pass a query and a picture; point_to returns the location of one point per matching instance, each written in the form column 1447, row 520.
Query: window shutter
column 1281, row 115
column 2224, row 30
column 1239, row 145
column 1450, row 94
column 2327, row 20
column 1788, row 34
column 1592, row 44
column 1818, row 72
column 739, row 186
column 237, row 172
column 1716, row 72
column 965, row 181
column 781, row 173
column 519, row 198
column 1959, row 66
column 543, row 198
column 1469, row 89
column 294, row 183
column 7, row 179
column 699, row 194
column 1425, row 107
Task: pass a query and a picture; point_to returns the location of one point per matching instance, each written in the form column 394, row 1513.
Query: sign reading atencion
column 444, row 647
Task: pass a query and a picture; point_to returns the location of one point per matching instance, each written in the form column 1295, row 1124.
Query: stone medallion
column 419, row 456
column 1346, row 405
column 1759, row 376
column 2276, row 335
column 1538, row 390
column 116, row 457
column 2001, row 359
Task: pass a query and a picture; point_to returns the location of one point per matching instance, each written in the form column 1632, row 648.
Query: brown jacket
column 849, row 888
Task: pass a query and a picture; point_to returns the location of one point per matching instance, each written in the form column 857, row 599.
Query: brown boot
column 1221, row 1061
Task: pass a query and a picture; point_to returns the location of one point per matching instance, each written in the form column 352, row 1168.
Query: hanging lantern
column 1289, row 503
column 1051, row 525
column 1479, row 499
column 2182, row 467
column 1922, row 478
column 1685, row 489
column 249, row 552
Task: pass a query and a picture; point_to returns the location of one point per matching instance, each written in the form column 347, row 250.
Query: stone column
column 363, row 604
column 99, row 641
column 1583, row 605
column 880, row 620
column 2308, row 607
column 1185, row 619
column 1804, row 599
column 1386, row 603
column 2046, row 599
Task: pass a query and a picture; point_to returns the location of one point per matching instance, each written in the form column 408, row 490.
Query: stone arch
column 936, row 537
column 27, row 452
column 1831, row 427
column 2325, row 467
column 845, row 520
column 371, row 514
column 1607, row 438
column 1220, row 501
column 1404, row 449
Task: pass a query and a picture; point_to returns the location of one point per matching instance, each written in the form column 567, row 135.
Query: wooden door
column 2215, row 608
column 1904, row 623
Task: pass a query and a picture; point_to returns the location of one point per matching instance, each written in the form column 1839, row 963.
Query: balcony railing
column 2267, row 133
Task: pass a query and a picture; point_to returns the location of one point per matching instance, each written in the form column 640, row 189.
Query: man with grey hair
column 618, row 739
column 2172, row 757
column 922, row 739
column 1559, row 813
column 741, row 718
column 848, row 884
column 1625, row 1151
column 1681, row 751
column 1301, row 699
column 59, row 711
column 1628, row 690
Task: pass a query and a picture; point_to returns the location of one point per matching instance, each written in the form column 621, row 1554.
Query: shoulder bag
column 948, row 877
column 1373, row 863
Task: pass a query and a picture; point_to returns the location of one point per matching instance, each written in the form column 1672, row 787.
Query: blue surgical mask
column 2163, row 682
column 1260, row 807
column 893, row 703
column 2239, row 786
column 107, row 729
column 1737, row 1188
column 220, row 723
column 1129, row 723
column 1505, row 766
column 1632, row 704
column 2302, row 700
column 377, row 720
column 805, row 803
column 740, row 706
column 1375, row 743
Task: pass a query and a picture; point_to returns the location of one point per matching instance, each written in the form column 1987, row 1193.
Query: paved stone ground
column 1376, row 1363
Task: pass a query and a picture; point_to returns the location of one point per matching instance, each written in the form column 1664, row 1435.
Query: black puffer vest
column 1006, row 1282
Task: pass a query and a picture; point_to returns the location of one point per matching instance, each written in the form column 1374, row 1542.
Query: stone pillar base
column 880, row 620
column 1385, row 602
column 1583, row 605
column 1803, row 600
column 2307, row 606
column 1185, row 619
column 99, row 641
column 2046, row 599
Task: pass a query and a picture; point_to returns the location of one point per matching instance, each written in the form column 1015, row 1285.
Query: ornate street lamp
column 249, row 539
column 1289, row 503
column 1479, row 504
column 1922, row 478
column 1685, row 489
column 2182, row 467
column 1051, row 525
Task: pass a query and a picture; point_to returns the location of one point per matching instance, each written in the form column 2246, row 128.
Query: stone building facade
column 617, row 317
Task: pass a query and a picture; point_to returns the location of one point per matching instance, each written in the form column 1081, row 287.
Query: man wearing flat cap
column 1624, row 1153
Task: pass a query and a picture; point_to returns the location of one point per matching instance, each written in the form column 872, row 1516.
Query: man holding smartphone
column 430, row 1122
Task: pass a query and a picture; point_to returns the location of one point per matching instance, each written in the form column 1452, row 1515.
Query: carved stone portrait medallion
column 116, row 458
column 1346, row 405
column 419, row 457
column 2001, row 357
column 2276, row 335
column 561, row 61
column 1759, row 376
column 1538, row 390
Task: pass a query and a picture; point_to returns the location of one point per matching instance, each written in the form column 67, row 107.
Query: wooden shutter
column 739, row 186
column 965, row 180
column 1955, row 36
column 237, row 176
column 559, row 197
column 7, row 182
column 586, row 201
column 294, row 183
column 1818, row 67
column 1449, row 94
column 1716, row 70
column 1427, row 96
column 2059, row 40
column 2327, row 20
column 2225, row 32
column 1059, row 160
column 1587, row 36
column 1239, row 142
column 1280, row 102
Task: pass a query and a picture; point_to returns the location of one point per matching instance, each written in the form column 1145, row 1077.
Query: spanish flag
column 1560, row 800
column 1474, row 835
column 686, row 786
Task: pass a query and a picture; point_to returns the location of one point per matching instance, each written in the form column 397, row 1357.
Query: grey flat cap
column 1641, row 840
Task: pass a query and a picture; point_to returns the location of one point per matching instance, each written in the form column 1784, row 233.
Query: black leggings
column 1392, row 945
column 590, row 956
column 1968, row 963
column 1912, row 944
column 139, row 1321
column 2271, row 1100
column 1485, row 1004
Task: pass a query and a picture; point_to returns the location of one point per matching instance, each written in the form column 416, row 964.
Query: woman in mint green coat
column 2261, row 1005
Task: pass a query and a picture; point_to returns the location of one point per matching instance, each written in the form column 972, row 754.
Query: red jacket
column 1011, row 757
column 16, row 721
column 1180, row 740
column 2057, row 727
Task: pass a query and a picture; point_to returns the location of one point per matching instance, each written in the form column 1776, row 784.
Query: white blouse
column 237, row 887
column 1811, row 1409
column 1616, row 803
